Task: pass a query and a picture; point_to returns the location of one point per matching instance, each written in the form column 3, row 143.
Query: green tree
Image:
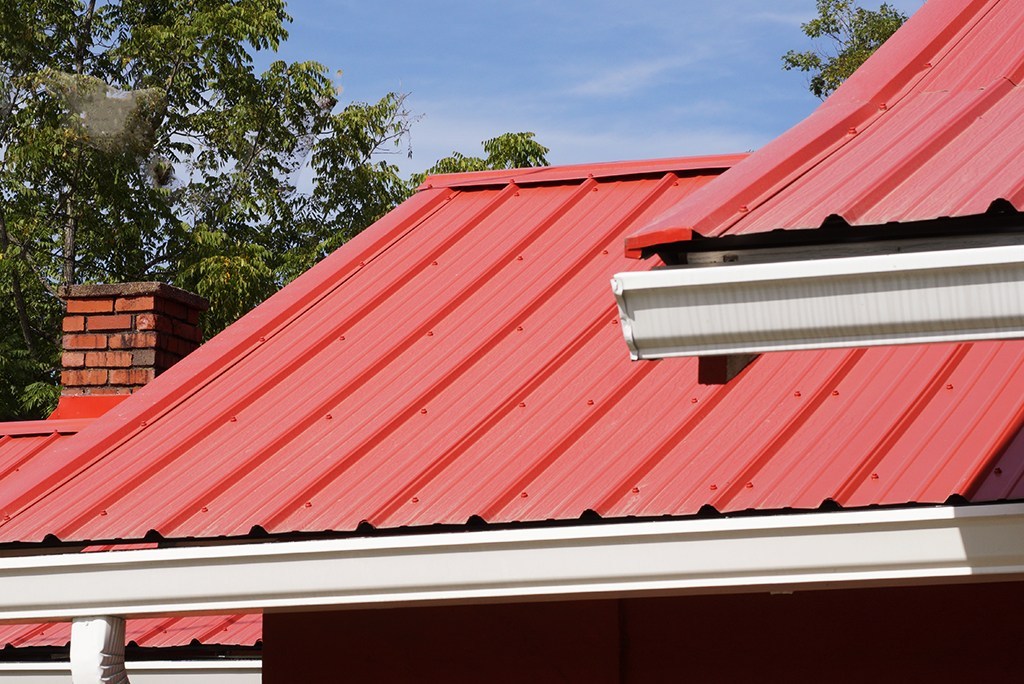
column 507, row 151
column 846, row 35
column 138, row 142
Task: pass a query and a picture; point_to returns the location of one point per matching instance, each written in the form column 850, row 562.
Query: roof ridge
column 581, row 172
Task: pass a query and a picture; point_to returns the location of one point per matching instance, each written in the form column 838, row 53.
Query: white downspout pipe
column 97, row 651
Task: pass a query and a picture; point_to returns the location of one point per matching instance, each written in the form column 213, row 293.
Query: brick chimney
column 119, row 337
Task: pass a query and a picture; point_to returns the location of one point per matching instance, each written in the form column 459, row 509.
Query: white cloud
column 784, row 18
column 628, row 78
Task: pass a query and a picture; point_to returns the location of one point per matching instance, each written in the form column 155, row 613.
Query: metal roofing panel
column 23, row 445
column 208, row 630
column 461, row 359
column 927, row 128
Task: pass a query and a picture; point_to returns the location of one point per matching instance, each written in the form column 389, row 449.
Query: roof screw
column 233, row 419
column 522, row 404
column 308, row 504
column 362, row 263
column 796, row 394
column 143, row 424
column 430, row 333
column 519, row 328
column 523, row 495
column 835, row 393
column 103, row 512
column 927, row 65
column 693, row 400
column 341, row 338
column 713, row 487
column 595, row 188
column 883, row 106
column 750, row 485
column 636, row 490
column 604, row 251
column 743, row 209
column 519, row 258
column 423, row 410
column 6, row 518
column 415, row 499
column 615, row 321
column 516, row 194
column 263, row 339
column 998, row 471
column 433, row 263
column 874, row 476
column 204, row 509
column 852, row 130
column 590, row 402
column 328, row 416
column 949, row 386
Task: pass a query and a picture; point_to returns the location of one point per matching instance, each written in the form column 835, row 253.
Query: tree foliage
column 506, row 151
column 846, row 35
column 139, row 142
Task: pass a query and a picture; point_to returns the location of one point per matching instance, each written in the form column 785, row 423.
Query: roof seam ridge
column 898, row 428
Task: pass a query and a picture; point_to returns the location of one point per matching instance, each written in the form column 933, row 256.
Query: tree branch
column 19, row 295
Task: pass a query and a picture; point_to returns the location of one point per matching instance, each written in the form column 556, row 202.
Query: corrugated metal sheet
column 20, row 444
column 22, row 441
column 207, row 630
column 462, row 359
column 929, row 127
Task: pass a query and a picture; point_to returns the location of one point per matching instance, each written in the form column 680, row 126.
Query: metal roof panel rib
column 462, row 360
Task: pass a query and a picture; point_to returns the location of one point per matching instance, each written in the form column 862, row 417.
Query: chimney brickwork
column 119, row 337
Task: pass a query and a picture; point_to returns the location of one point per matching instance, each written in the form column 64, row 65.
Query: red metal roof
column 929, row 127
column 21, row 444
column 208, row 630
column 462, row 358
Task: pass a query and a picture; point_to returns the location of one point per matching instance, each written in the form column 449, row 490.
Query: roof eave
column 785, row 553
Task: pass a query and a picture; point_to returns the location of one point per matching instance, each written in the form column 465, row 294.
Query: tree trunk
column 70, row 224
column 70, row 228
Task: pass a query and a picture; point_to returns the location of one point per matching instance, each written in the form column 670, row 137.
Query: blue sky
column 599, row 80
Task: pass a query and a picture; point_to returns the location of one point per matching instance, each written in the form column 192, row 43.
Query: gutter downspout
column 97, row 651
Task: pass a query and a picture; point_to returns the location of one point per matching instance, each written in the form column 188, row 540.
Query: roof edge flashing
column 580, row 172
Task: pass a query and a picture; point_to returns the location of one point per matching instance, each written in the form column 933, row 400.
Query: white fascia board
column 908, row 298
column 163, row 667
column 784, row 552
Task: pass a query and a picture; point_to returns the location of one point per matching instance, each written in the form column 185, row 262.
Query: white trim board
column 903, row 298
column 782, row 552
column 183, row 667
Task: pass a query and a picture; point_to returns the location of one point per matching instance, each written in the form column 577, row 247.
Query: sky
column 595, row 80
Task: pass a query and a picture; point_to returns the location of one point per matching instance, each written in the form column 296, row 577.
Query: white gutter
column 782, row 552
column 143, row 671
column 935, row 296
column 97, row 651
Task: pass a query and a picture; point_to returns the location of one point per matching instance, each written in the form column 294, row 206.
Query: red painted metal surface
column 207, row 630
column 462, row 359
column 927, row 128
column 85, row 406
column 22, row 445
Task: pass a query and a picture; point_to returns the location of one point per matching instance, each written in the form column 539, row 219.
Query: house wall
column 939, row 633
